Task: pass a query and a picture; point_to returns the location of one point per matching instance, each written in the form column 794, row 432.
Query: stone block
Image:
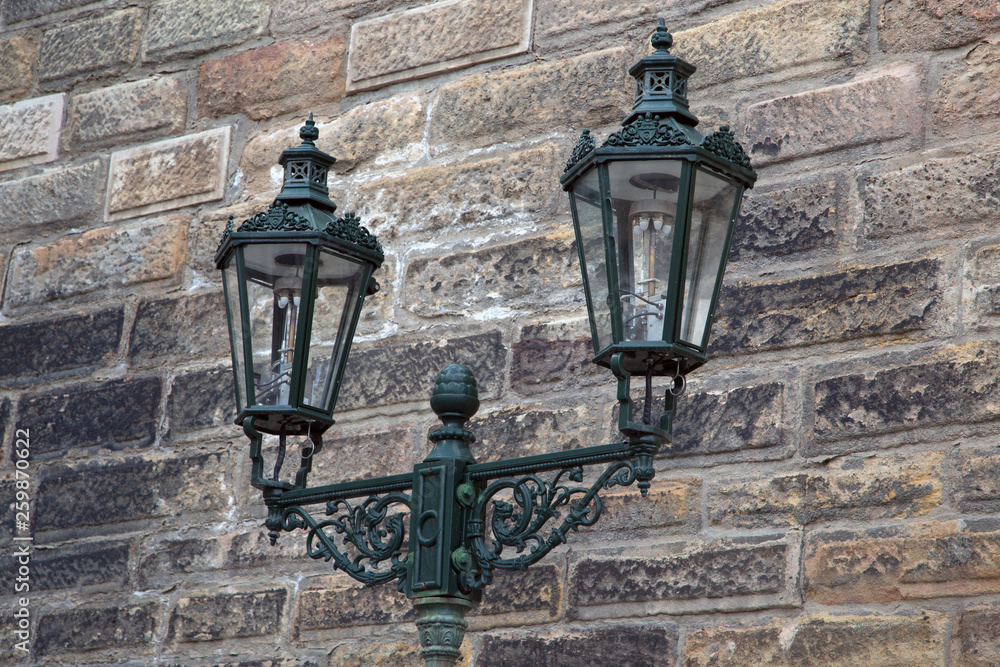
column 918, row 25
column 379, row 653
column 363, row 454
column 855, row 303
column 74, row 566
column 956, row 386
column 198, row 618
column 822, row 640
column 133, row 488
column 342, row 602
column 17, row 60
column 526, row 275
column 775, row 39
column 185, row 328
column 838, row 117
column 968, row 92
column 735, row 422
column 403, row 369
column 938, row 195
column 977, row 488
column 265, row 662
column 57, row 199
column 671, row 505
column 981, row 286
column 254, row 549
column 108, row 259
column 180, row 28
column 907, row 562
column 89, row 628
column 205, row 232
column 42, row 348
column 164, row 559
column 560, row 20
column 441, row 37
column 168, row 174
column 525, row 431
column 782, row 221
column 201, row 399
column 852, row 489
column 515, row 188
column 128, row 111
column 551, row 356
column 273, row 80
column 534, row 595
column 637, row 645
column 507, row 105
column 29, row 131
column 98, row 47
column 24, row 10
column 115, row 415
column 976, row 642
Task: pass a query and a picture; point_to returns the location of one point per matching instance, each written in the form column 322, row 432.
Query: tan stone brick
column 384, row 653
column 558, row 18
column 206, row 229
column 838, row 117
column 918, row 25
column 888, row 487
column 554, row 355
column 822, row 640
column 336, row 601
column 114, row 115
column 29, row 131
column 97, row 261
column 968, row 97
column 977, row 643
column 489, row 107
column 525, row 430
column 750, row 43
column 273, row 80
column 58, row 198
column 98, row 47
column 911, row 561
column 440, row 37
column 938, row 195
column 294, row 18
column 17, row 59
column 977, row 488
column 981, row 286
column 168, row 174
column 364, row 453
column 178, row 28
column 673, row 504
column 517, row 187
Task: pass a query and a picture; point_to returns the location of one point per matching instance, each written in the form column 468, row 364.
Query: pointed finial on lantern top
column 662, row 39
column 308, row 132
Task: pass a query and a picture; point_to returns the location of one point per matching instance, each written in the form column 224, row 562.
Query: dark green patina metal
column 441, row 532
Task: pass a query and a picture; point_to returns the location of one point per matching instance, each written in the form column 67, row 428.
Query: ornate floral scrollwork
column 226, row 232
column 277, row 218
column 723, row 143
column 647, row 130
column 584, row 145
column 349, row 228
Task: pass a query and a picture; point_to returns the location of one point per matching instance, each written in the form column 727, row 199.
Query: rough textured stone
column 205, row 232
column 440, row 37
column 743, row 419
column 168, row 174
column 109, row 259
column 201, row 399
column 23, row 10
column 507, row 105
column 97, row 627
column 76, row 342
column 913, row 561
column 364, row 454
column 74, row 566
column 179, row 28
column 723, row 569
column 398, row 371
column 918, row 25
column 227, row 615
column 981, row 283
column 254, row 549
column 978, row 644
column 186, row 328
column 342, row 602
column 859, row 302
column 525, row 275
column 822, row 640
column 977, row 488
column 61, row 198
column 558, row 18
column 115, row 415
column 523, row 431
column 633, row 645
column 850, row 488
column 118, row 114
column 787, row 220
column 553, row 356
column 165, row 559
column 29, row 131
column 516, row 187
column 968, row 96
column 938, row 195
column 537, row 589
column 273, row 80
column 99, row 47
column 266, row 662
column 17, row 58
column 134, row 488
column 838, row 117
column 378, row 654
column 959, row 387
column 672, row 505
column 749, row 43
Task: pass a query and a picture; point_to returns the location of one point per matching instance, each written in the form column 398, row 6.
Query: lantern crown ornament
column 654, row 208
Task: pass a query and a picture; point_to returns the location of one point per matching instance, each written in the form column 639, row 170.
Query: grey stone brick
column 190, row 327
column 96, row 627
column 179, row 28
column 787, row 220
column 155, row 106
column 57, row 199
column 97, row 47
column 645, row 645
column 201, row 399
column 227, row 615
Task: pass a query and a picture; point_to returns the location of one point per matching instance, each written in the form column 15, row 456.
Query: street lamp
column 653, row 210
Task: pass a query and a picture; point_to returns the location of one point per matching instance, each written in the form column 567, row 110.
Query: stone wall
column 833, row 495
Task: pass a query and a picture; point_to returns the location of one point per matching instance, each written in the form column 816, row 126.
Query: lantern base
column 666, row 360
column 284, row 420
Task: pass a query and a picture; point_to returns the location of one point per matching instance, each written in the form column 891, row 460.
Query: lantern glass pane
column 339, row 282
column 586, row 195
column 711, row 216
column 644, row 203
column 231, row 286
column 274, row 291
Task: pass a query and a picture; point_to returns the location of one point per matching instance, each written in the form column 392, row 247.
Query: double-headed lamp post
column 653, row 210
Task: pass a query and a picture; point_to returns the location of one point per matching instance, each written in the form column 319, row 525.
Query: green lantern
column 654, row 209
column 295, row 278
